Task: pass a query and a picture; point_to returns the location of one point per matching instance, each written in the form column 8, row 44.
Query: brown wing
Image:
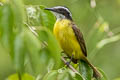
column 80, row 39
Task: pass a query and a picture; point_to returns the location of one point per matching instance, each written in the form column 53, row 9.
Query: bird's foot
column 67, row 64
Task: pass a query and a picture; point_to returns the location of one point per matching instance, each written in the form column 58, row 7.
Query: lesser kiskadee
column 69, row 36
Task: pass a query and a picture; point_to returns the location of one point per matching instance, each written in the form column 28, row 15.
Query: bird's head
column 60, row 12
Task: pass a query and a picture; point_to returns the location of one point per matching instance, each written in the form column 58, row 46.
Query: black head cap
column 61, row 10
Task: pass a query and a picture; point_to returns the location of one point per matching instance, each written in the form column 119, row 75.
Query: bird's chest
column 65, row 35
column 63, row 31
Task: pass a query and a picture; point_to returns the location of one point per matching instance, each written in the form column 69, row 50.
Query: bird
column 70, row 37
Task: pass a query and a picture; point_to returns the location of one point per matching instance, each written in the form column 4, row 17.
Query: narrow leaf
column 54, row 49
column 47, row 18
column 104, row 77
column 6, row 27
column 85, row 70
column 19, row 53
column 33, row 47
column 51, row 75
column 78, row 77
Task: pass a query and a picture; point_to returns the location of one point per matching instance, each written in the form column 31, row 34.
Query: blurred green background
column 99, row 20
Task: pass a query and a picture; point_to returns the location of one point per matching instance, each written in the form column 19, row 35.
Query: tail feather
column 96, row 73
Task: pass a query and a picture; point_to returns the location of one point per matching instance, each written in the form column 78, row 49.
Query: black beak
column 49, row 9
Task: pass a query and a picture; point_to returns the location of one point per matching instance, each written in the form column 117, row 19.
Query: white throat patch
column 59, row 16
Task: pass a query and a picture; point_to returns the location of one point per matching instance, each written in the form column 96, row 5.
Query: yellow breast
column 65, row 35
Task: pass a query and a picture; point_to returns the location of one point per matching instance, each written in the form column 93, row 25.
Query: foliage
column 25, row 76
column 22, row 44
column 26, row 36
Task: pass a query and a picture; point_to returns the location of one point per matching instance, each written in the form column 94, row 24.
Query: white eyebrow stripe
column 63, row 8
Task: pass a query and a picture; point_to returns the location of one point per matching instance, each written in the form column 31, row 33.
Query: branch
column 70, row 66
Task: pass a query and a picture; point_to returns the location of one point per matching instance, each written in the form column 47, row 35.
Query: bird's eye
column 60, row 9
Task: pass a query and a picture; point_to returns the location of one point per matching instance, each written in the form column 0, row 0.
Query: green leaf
column 19, row 53
column 65, row 74
column 62, row 74
column 51, row 75
column 46, row 36
column 33, row 46
column 85, row 70
column 18, row 12
column 6, row 24
column 47, row 18
column 31, row 39
column 25, row 76
column 78, row 77
column 104, row 77
column 37, row 16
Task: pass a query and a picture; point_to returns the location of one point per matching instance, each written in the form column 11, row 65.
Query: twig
column 32, row 29
column 72, row 68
